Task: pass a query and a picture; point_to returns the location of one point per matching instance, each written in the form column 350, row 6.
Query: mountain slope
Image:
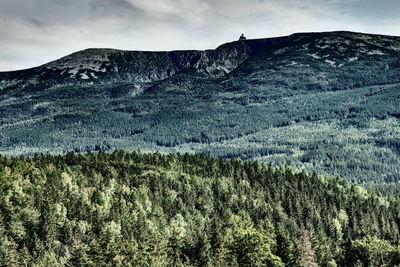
column 325, row 61
column 327, row 102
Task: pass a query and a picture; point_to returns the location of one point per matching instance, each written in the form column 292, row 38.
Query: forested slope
column 138, row 209
column 325, row 102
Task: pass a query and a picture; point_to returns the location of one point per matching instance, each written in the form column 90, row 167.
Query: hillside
column 325, row 102
column 137, row 209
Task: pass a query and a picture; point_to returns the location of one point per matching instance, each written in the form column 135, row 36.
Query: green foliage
column 252, row 248
column 137, row 209
column 372, row 251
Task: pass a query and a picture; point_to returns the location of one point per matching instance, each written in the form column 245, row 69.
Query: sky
column 34, row 32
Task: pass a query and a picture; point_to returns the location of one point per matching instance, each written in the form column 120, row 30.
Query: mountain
column 326, row 102
column 149, row 209
column 102, row 66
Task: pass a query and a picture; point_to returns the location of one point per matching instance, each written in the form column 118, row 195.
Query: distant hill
column 327, row 102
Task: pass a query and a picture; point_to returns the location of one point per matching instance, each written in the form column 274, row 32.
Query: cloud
column 37, row 23
column 370, row 11
column 37, row 31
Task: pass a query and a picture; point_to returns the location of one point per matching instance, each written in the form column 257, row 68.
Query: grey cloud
column 110, row 7
column 37, row 23
column 373, row 10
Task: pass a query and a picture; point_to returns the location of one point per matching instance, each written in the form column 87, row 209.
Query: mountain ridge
column 107, row 65
column 202, row 50
column 112, row 65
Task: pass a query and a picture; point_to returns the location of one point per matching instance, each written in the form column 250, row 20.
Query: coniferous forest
column 150, row 209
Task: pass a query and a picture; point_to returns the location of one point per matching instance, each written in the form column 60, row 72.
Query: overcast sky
column 33, row 32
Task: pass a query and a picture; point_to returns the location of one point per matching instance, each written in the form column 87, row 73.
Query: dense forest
column 150, row 209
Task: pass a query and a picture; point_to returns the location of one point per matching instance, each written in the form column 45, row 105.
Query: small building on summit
column 242, row 37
